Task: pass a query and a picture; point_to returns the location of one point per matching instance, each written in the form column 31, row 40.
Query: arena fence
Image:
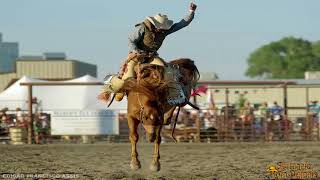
column 207, row 127
column 221, row 125
column 195, row 127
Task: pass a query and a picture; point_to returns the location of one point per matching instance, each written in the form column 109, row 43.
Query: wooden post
column 285, row 98
column 227, row 103
column 198, row 123
column 30, row 124
column 308, row 116
column 307, row 103
column 226, row 119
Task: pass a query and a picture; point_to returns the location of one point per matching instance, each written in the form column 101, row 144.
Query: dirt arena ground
column 178, row 161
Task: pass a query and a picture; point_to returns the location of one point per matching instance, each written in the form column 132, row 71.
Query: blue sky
column 220, row 38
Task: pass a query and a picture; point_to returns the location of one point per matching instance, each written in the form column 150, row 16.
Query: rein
column 141, row 112
column 114, row 95
column 174, row 126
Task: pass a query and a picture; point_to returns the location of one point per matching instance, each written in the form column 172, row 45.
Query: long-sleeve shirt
column 314, row 108
column 138, row 33
column 276, row 110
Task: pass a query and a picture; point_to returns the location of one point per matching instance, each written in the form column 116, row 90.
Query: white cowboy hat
column 161, row 21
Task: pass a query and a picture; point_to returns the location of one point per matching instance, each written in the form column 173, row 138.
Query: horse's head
column 146, row 95
column 152, row 118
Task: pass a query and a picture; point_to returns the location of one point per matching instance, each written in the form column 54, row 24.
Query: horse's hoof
column 135, row 165
column 155, row 166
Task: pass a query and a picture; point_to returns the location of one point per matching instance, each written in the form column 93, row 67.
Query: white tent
column 16, row 95
column 57, row 97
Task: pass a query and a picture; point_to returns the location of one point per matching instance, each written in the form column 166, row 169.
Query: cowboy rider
column 147, row 38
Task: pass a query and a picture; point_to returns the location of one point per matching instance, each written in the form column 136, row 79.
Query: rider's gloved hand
column 132, row 55
column 135, row 53
column 192, row 7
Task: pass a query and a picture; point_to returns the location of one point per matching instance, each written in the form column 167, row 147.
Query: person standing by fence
column 314, row 111
column 276, row 114
column 264, row 114
column 312, row 120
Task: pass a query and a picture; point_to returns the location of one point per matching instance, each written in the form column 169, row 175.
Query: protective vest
column 151, row 40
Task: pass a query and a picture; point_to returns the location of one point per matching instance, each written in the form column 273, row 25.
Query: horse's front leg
column 134, row 137
column 155, row 165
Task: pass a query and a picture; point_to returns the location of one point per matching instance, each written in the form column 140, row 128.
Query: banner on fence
column 87, row 122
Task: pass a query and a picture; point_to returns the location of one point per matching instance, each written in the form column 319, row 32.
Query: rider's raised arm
column 183, row 23
column 134, row 38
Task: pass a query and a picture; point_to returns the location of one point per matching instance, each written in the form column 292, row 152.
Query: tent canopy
column 57, row 97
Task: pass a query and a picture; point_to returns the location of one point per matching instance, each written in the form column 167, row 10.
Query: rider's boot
column 129, row 72
column 112, row 84
column 119, row 96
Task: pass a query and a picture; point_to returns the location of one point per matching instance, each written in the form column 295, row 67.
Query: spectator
column 21, row 119
column 208, row 130
column 4, row 122
column 207, row 121
column 276, row 111
column 19, row 113
column 285, row 127
column 260, row 121
column 8, row 120
column 247, row 112
column 241, row 101
column 314, row 111
column 247, row 117
column 45, row 127
column 37, row 129
column 312, row 120
column 3, row 112
column 187, row 119
column 264, row 117
column 264, row 110
column 274, row 126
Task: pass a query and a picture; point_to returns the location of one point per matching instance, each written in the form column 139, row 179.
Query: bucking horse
column 147, row 96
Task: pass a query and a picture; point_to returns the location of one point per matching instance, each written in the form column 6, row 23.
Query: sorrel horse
column 147, row 104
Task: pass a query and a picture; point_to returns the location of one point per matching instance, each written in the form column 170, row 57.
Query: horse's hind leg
column 155, row 165
column 134, row 137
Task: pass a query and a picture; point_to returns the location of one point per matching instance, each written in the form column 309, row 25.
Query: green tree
column 288, row 58
column 316, row 49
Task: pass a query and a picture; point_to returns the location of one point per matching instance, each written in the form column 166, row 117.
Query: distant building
column 208, row 76
column 54, row 55
column 299, row 92
column 9, row 51
column 41, row 67
column 312, row 75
